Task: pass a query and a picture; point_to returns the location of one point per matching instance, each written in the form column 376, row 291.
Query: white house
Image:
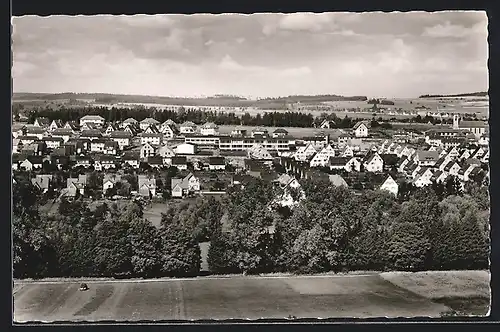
column 121, row 137
column 185, row 148
column 152, row 129
column 257, row 151
column 360, row 129
column 53, row 142
column 303, row 153
column 154, row 139
column 55, row 124
column 97, row 145
column 168, row 131
column 321, row 159
column 325, row 124
column 390, row 185
column 167, row 153
column 129, row 121
column 374, row 163
column 353, row 165
column 184, row 186
column 94, row 119
column 347, row 151
column 187, row 127
column 109, row 181
column 453, row 168
column 147, row 186
column 63, row 133
column 216, row 163
column 209, row 129
column 423, row 177
column 144, row 124
column 147, row 150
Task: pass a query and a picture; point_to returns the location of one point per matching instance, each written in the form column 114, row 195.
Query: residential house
column 360, row 129
column 390, row 185
column 63, row 133
column 321, row 159
column 484, row 140
column 132, row 130
column 288, row 184
column 347, row 152
column 15, row 144
column 89, row 126
column 53, row 142
column 373, row 163
column 147, row 186
column 279, row 133
column 83, row 161
column 179, row 162
column 187, row 127
column 55, row 124
column 209, row 129
column 486, row 157
column 153, row 139
column 439, row 176
column 97, row 145
column 181, row 187
column 76, row 186
column 59, row 161
column 453, row 168
column 92, row 134
column 466, row 154
column 41, row 122
column 259, row 132
column 131, row 159
column 38, row 132
column 18, row 130
column 155, row 161
column 305, row 152
column 479, row 153
column 423, row 177
column 31, row 163
column 343, row 139
column 111, row 147
column 42, row 181
column 144, row 124
column 186, row 148
column 110, row 129
column 454, row 153
column 104, row 162
column 168, row 131
column 152, row 129
column 426, row 158
column 325, row 124
column 216, row 163
column 353, row 165
column 258, row 152
column 70, row 125
column 129, row 121
column 109, row 181
column 402, row 164
column 318, row 141
column 238, row 132
column 15, row 159
column 147, row 150
column 123, row 138
column 167, row 153
column 93, row 119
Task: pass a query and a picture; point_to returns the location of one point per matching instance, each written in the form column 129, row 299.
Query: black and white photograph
column 215, row 167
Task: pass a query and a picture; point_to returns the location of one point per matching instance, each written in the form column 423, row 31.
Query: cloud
column 449, row 30
column 305, row 22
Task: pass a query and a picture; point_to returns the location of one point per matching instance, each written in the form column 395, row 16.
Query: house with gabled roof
column 439, row 176
column 121, row 137
column 129, row 121
column 63, row 133
column 41, row 122
column 152, row 129
column 187, row 127
column 104, row 162
column 111, row 128
column 155, row 161
column 180, row 162
column 38, row 132
column 390, row 185
column 346, row 152
column 32, row 162
column 258, row 152
column 111, row 147
column 147, row 186
column 486, row 157
column 402, row 163
column 322, row 158
column 426, row 158
column 109, row 181
column 453, row 153
column 153, row 138
column 303, row 153
column 453, row 168
column 131, row 159
column 361, row 128
column 279, row 133
column 209, row 129
column 84, row 161
column 71, row 125
column 423, row 177
column 93, row 119
column 42, row 181
column 147, row 150
column 216, row 163
column 373, row 162
column 337, row 180
column 144, row 124
column 53, row 142
column 76, row 186
column 326, row 124
column 168, row 131
column 478, row 153
column 466, row 154
column 182, row 187
column 91, row 134
column 55, row 124
column 97, row 145
column 132, row 129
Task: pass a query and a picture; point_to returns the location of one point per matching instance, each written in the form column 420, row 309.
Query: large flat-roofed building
column 202, row 140
column 244, row 143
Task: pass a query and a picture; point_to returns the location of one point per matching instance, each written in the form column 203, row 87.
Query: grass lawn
column 465, row 292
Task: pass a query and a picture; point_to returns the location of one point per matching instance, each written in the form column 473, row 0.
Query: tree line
column 332, row 229
column 197, row 116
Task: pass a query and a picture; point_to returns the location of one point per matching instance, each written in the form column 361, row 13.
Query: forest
column 333, row 229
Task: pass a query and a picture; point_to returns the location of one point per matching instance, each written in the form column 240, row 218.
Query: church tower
column 456, row 121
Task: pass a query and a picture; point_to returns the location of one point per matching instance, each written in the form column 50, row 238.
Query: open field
column 360, row 296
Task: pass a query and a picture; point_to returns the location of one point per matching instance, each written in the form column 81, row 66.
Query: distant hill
column 218, row 100
column 471, row 94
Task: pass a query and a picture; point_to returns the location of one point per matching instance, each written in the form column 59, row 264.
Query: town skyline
column 260, row 55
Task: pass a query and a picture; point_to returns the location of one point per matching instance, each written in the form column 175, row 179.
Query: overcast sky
column 372, row 54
